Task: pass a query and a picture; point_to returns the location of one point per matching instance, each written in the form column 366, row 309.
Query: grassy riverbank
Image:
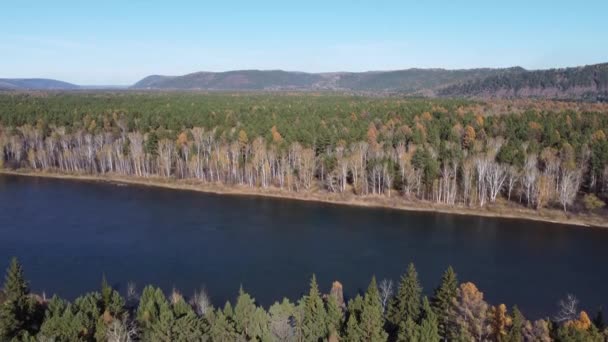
column 394, row 202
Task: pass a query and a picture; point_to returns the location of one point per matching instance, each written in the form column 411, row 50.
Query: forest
column 384, row 312
column 528, row 154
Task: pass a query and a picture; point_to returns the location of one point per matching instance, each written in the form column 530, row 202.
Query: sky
column 119, row 42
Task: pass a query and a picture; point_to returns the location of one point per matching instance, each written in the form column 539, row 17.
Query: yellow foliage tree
column 599, row 135
column 276, row 136
column 499, row 321
column 372, row 134
column 469, row 136
column 182, row 139
column 480, row 120
column 426, row 116
column 582, row 323
column 243, row 139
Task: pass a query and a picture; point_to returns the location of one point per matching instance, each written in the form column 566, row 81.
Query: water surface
column 68, row 233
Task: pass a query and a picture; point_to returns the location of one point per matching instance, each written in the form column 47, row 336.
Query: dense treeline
column 455, row 312
column 445, row 151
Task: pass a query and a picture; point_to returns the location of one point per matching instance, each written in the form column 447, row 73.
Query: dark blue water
column 68, row 233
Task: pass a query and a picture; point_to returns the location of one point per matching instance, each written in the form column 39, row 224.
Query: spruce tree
column 106, row 291
column 17, row 309
column 88, row 311
column 244, row 312
column 372, row 320
column 187, row 326
column 260, row 325
column 334, row 315
column 353, row 330
column 314, row 325
column 112, row 301
column 222, row 328
column 429, row 331
column 155, row 316
column 409, row 331
column 60, row 324
column 442, row 300
column 515, row 333
column 228, row 311
column 406, row 304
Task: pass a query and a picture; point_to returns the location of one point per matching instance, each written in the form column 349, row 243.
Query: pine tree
column 161, row 330
column 59, row 322
column 228, row 311
column 17, row 309
column 353, row 330
column 515, row 333
column 314, row 327
column 155, row 316
column 222, row 329
column 409, row 331
column 88, row 310
column 260, row 325
column 372, row 320
column 407, row 301
column 244, row 312
column 187, row 326
column 442, row 300
column 429, row 331
column 334, row 315
column 106, row 290
column 112, row 301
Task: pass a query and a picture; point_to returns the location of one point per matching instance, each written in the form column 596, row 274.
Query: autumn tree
column 468, row 139
column 469, row 312
column 499, row 322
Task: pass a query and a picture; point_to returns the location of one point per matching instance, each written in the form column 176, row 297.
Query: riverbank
column 495, row 210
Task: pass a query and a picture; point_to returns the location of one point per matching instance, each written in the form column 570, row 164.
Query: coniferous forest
column 384, row 312
column 527, row 154
column 303, row 171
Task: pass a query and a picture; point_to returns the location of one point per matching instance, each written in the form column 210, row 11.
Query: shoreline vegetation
column 386, row 311
column 496, row 210
column 537, row 160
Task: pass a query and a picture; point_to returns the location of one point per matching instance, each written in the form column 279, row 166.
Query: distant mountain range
column 409, row 81
column 35, row 84
column 577, row 83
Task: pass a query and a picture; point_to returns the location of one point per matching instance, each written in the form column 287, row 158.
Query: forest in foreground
column 528, row 154
column 385, row 312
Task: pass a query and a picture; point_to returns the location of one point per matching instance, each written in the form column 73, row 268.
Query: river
column 68, row 233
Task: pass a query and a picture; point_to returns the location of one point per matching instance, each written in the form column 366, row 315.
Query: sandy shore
column 496, row 210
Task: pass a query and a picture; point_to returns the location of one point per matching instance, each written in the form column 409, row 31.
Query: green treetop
column 407, row 301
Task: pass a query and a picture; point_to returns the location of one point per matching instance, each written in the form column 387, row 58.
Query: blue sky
column 120, row 42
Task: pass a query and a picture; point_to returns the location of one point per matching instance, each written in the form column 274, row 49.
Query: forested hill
column 409, row 81
column 581, row 83
column 577, row 83
column 34, row 84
